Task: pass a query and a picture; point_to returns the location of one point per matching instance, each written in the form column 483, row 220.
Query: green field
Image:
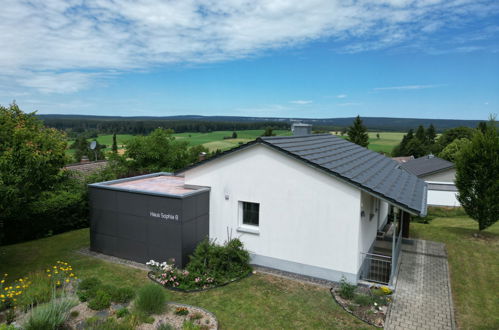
column 386, row 142
column 215, row 140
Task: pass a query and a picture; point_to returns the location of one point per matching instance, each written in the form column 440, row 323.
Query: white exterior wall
column 445, row 176
column 309, row 221
column 383, row 214
column 368, row 223
column 442, row 198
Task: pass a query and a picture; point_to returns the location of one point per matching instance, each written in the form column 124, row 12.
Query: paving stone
column 422, row 298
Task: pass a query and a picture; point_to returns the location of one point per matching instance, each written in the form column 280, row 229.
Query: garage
column 154, row 216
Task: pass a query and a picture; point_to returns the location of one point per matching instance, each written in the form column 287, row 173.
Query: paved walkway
column 422, row 298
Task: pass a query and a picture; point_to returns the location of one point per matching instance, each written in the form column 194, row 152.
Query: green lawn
column 474, row 268
column 258, row 302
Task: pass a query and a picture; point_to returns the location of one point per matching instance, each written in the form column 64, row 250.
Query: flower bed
column 368, row 304
column 210, row 266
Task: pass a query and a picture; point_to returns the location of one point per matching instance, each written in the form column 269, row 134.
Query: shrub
column 101, row 301
column 196, row 316
column 50, row 315
column 346, row 289
column 181, row 311
column 362, row 299
column 123, row 295
column 151, row 299
column 122, row 312
column 11, row 327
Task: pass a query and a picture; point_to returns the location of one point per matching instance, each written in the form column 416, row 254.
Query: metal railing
column 376, row 268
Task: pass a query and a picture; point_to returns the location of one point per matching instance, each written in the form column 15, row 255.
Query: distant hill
column 372, row 123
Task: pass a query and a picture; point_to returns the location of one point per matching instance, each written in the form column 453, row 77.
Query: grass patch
column 259, row 301
column 473, row 267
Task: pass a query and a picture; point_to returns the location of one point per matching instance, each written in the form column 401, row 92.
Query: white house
column 440, row 175
column 315, row 205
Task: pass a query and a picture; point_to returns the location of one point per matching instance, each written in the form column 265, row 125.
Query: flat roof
column 165, row 184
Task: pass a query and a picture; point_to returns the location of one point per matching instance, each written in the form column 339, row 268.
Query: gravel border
column 116, row 260
column 295, row 277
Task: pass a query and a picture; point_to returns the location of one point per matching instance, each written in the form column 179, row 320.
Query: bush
column 102, row 300
column 181, row 311
column 123, row 295
column 347, row 290
column 11, row 327
column 50, row 315
column 151, row 299
column 362, row 299
column 122, row 312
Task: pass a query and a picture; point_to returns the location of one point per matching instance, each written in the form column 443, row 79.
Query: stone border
column 149, row 275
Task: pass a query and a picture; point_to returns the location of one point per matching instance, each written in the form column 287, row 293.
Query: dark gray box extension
column 141, row 226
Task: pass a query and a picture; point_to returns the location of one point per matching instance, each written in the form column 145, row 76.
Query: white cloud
column 341, row 96
column 64, row 45
column 301, row 102
column 407, row 87
column 348, row 104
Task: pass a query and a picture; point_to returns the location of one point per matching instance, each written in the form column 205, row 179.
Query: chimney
column 299, row 129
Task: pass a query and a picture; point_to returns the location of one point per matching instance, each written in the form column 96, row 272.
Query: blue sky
column 319, row 59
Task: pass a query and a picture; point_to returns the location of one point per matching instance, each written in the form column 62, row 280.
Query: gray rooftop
column 369, row 170
column 426, row 165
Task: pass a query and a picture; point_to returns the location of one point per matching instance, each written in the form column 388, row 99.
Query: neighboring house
column 315, row 205
column 440, row 175
column 85, row 168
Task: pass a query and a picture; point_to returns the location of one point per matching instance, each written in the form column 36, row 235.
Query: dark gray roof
column 426, row 165
column 362, row 167
column 366, row 169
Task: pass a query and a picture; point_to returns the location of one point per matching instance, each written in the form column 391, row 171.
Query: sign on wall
column 164, row 216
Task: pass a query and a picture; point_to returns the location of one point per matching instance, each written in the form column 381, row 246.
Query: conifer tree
column 115, row 144
column 357, row 133
column 477, row 173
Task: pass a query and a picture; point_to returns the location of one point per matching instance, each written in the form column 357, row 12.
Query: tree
column 377, row 135
column 431, row 134
column 421, row 134
column 157, row 152
column 451, row 152
column 37, row 196
column 268, row 131
column 451, row 134
column 234, row 135
column 31, row 159
column 477, row 176
column 115, row 144
column 357, row 133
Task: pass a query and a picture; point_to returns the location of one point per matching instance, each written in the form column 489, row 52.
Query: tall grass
column 151, row 299
column 50, row 315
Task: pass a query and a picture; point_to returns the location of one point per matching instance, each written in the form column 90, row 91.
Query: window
column 250, row 213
